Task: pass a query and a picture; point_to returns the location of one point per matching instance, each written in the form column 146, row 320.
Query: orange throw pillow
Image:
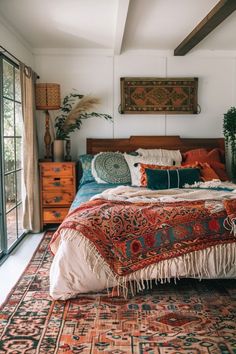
column 213, row 158
column 207, row 173
column 220, row 170
column 143, row 166
column 202, row 155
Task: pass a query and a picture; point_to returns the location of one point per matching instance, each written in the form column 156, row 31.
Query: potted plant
column 229, row 128
column 75, row 108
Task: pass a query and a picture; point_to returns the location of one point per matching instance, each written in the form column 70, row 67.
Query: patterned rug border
column 24, row 271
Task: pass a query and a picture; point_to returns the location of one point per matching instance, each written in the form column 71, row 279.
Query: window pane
column 7, row 79
column 8, row 107
column 18, row 186
column 10, row 191
column 18, row 153
column 18, row 120
column 11, row 227
column 20, row 220
column 11, row 131
column 9, row 154
column 17, row 85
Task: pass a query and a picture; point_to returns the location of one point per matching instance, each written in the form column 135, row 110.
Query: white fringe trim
column 195, row 265
column 230, row 225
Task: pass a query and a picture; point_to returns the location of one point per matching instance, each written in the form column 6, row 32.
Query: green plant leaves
column 229, row 129
column 63, row 130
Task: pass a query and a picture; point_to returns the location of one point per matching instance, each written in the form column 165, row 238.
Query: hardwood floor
column 12, row 268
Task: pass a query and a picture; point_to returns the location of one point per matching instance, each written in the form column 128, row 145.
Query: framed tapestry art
column 140, row 95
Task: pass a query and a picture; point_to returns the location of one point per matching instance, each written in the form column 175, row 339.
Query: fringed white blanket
column 139, row 194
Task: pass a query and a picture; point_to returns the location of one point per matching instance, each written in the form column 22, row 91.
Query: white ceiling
column 114, row 24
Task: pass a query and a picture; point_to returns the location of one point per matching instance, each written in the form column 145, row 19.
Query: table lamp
column 47, row 97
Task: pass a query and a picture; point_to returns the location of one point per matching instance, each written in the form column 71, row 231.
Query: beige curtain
column 31, row 207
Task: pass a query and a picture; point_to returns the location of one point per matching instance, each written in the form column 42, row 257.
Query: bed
column 125, row 237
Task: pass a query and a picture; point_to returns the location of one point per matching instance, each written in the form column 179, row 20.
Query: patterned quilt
column 130, row 236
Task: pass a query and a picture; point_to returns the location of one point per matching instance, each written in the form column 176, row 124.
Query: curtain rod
column 13, row 56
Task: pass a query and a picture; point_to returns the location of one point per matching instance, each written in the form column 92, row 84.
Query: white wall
column 89, row 75
column 100, row 76
column 12, row 42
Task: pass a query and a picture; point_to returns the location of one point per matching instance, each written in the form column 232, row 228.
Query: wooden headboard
column 174, row 142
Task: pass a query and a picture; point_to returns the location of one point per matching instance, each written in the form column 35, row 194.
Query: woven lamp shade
column 47, row 96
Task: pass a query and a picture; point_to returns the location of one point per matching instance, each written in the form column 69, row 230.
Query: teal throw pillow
column 85, row 170
column 111, row 167
column 165, row 179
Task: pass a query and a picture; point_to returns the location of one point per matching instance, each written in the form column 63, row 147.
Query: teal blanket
column 88, row 190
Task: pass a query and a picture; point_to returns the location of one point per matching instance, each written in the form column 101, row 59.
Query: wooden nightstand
column 57, row 190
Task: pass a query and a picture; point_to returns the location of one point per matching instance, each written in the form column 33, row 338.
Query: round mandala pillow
column 110, row 167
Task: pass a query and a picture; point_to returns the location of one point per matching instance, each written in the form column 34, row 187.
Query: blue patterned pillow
column 111, row 167
column 85, row 162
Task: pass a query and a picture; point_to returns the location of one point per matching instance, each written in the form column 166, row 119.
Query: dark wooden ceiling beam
column 217, row 15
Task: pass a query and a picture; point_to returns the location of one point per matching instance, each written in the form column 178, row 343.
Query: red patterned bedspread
column 131, row 236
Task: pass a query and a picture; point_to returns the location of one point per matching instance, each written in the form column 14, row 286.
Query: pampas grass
column 76, row 108
column 84, row 105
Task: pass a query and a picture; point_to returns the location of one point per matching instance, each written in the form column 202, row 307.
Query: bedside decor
column 58, row 150
column 158, row 95
column 47, row 97
column 229, row 128
column 57, row 190
column 75, row 108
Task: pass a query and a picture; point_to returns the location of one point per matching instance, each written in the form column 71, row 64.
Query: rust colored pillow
column 207, row 173
column 220, row 170
column 202, row 155
column 217, row 167
column 213, row 158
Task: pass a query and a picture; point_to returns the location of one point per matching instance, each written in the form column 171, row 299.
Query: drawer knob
column 56, row 169
column 57, row 184
column 56, row 214
column 57, row 199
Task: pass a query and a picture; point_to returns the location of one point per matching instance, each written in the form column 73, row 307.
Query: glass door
column 11, row 225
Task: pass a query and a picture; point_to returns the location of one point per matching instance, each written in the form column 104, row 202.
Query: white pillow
column 133, row 163
column 175, row 155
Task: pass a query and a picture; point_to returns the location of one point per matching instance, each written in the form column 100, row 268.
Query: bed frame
column 174, row 142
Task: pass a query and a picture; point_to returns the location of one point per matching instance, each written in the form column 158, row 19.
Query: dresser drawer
column 57, row 169
column 60, row 198
column 54, row 215
column 57, row 183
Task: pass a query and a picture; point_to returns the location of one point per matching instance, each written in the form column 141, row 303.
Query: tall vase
column 58, row 150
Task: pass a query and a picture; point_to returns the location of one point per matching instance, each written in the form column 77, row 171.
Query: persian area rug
column 189, row 317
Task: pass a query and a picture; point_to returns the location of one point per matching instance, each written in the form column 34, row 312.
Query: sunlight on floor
column 12, row 268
